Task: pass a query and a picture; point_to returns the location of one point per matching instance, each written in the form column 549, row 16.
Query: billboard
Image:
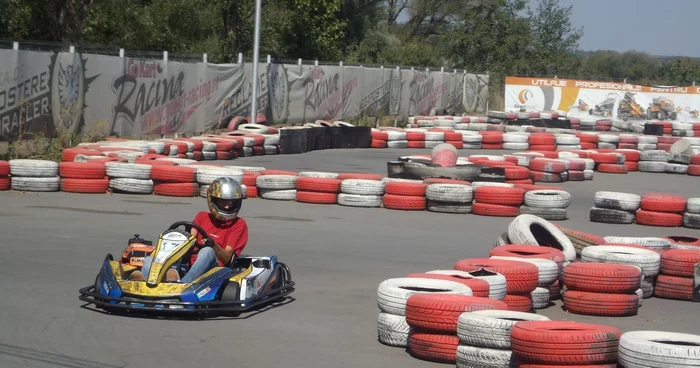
column 52, row 93
column 597, row 100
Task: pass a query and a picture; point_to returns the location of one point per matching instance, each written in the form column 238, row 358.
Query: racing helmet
column 224, row 197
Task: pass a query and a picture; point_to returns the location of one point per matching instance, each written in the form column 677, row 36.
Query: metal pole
column 256, row 56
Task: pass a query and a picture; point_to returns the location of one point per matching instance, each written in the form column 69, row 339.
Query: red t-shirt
column 232, row 234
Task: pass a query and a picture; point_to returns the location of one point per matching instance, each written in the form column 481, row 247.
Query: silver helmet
column 225, row 197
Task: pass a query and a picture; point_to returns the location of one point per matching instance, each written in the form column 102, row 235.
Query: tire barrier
column 481, row 312
column 650, row 209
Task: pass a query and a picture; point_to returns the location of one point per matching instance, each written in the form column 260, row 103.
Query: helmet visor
column 226, row 205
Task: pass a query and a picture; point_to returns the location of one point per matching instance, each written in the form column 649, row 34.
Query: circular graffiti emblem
column 67, row 92
column 279, row 93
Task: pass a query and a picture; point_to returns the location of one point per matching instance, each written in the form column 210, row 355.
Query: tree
column 554, row 40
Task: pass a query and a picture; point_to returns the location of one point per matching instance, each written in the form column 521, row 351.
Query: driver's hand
column 208, row 242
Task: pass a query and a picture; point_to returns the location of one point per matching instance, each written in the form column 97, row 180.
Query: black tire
column 231, row 292
column 610, row 216
column 418, row 171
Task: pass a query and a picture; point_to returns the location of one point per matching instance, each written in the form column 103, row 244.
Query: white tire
column 35, row 184
column 453, row 193
column 693, row 205
column 392, row 330
column 207, row 175
column 520, row 231
column 276, row 182
column 618, row 201
column 392, row 294
column 128, row 170
column 33, row 168
column 397, row 144
column 362, row 187
column 477, row 357
column 491, row 328
column 658, row 349
column 318, row 174
column 651, row 242
column 359, row 200
column 648, row 260
column 129, row 185
column 278, row 194
column 548, row 199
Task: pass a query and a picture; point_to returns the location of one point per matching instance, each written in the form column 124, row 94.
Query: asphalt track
column 53, row 244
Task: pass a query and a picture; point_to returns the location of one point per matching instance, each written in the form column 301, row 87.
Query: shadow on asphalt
column 57, row 360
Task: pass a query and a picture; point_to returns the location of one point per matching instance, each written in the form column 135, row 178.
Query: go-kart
column 246, row 284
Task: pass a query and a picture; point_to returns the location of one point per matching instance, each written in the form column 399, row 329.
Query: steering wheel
column 188, row 227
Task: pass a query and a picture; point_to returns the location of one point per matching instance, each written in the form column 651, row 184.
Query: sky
column 658, row 27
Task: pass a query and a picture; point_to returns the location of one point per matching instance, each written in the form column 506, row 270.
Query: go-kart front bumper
column 130, row 304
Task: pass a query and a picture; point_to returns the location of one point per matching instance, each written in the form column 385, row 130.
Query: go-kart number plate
column 170, row 243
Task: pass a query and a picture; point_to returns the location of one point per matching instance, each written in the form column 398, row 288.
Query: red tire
column 365, row 176
column 519, row 303
column 630, row 154
column 576, row 164
column 401, row 188
column 441, row 348
column 174, row 174
column 545, row 177
column 492, row 138
column 176, row 189
column 438, row 313
column 485, row 209
column 406, row 203
column 541, row 139
column 492, row 146
column 517, row 173
column 545, row 148
column 251, row 191
column 316, row 197
column 564, row 343
column 381, row 136
column 694, row 170
column 377, row 143
column 250, row 178
column 602, row 277
column 480, row 288
column 415, row 137
column 600, row 304
column 587, row 138
column 679, row 262
column 650, row 218
column 695, row 159
column 81, row 170
column 577, row 176
column 529, row 187
column 325, row 185
column 661, row 202
column 519, row 181
column 547, row 165
column 612, row 168
column 673, row 287
column 521, row 277
column 529, row 251
column 604, row 158
column 416, row 144
column 224, row 155
column 631, row 166
column 499, row 195
column 5, row 183
column 94, row 186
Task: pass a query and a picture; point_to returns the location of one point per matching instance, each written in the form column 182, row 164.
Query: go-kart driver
column 228, row 233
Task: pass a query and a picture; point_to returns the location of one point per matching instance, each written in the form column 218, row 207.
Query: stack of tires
column 405, row 195
column 361, row 190
column 602, row 289
column 83, row 177
column 484, row 337
column 175, row 180
column 433, row 320
column 615, row 207
column 548, row 274
column 471, row 140
column 449, row 198
column 547, row 170
column 4, row 175
column 691, row 217
column 392, row 295
column 129, row 178
column 318, row 188
column 207, row 174
column 548, row 204
column 277, row 186
column 521, row 279
column 647, row 142
column 494, row 200
column 658, row 209
column 30, row 175
column 653, row 161
column 675, row 280
column 628, row 254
